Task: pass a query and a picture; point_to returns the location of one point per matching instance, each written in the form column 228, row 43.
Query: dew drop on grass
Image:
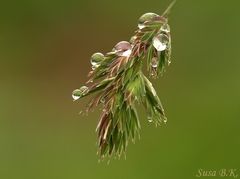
column 150, row 120
column 123, row 49
column 146, row 17
column 122, row 46
column 141, row 26
column 160, row 42
column 165, row 121
column 96, row 59
column 78, row 93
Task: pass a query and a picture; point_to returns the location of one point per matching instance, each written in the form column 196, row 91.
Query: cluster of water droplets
column 78, row 93
column 150, row 119
column 96, row 60
column 161, row 42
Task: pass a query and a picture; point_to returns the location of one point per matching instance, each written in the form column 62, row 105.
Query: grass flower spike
column 117, row 83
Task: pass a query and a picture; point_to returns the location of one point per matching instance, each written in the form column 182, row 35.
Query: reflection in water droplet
column 126, row 53
column 160, row 42
column 165, row 28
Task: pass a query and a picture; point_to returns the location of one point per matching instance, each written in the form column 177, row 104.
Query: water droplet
column 141, row 26
column 150, row 120
column 165, row 121
column 96, row 59
column 84, row 90
column 147, row 17
column 154, row 62
column 78, row 93
column 123, row 48
column 160, row 42
column 165, row 28
column 132, row 40
column 149, row 117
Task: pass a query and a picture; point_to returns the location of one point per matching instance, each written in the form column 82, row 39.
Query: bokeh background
column 44, row 54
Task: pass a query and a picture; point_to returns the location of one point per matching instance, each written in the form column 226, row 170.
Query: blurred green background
column 44, row 54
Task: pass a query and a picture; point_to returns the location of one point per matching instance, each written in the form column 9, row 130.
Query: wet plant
column 117, row 83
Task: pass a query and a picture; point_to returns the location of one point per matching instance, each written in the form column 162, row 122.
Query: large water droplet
column 147, row 17
column 123, row 48
column 160, row 42
column 96, row 59
column 165, row 28
column 78, row 93
column 154, row 62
